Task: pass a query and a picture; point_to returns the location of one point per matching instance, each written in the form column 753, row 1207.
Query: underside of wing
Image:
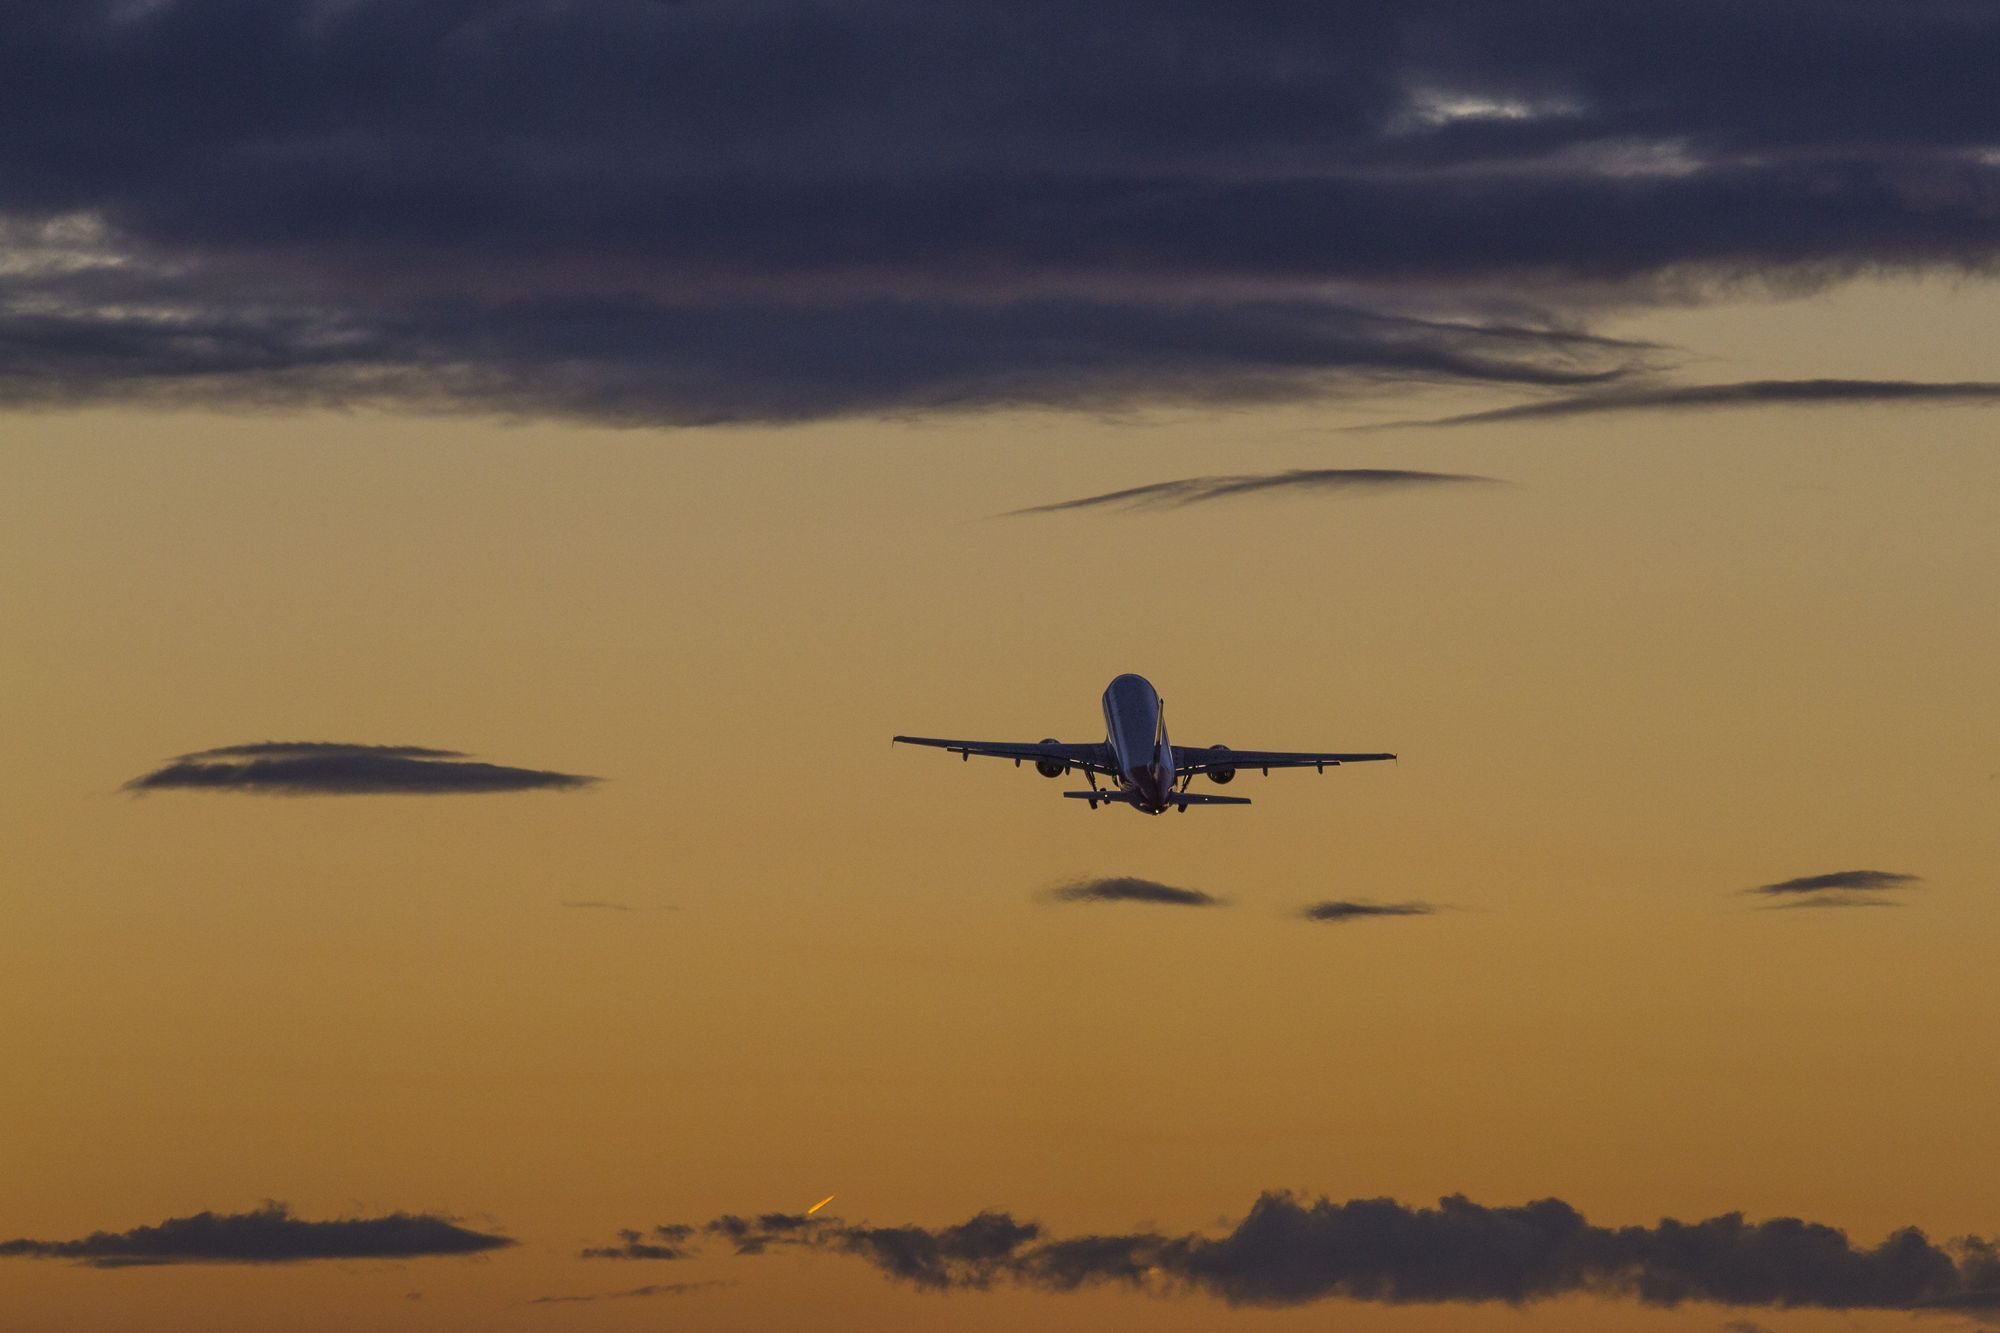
column 1090, row 758
column 1221, row 757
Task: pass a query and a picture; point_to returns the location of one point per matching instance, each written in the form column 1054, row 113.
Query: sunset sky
column 638, row 398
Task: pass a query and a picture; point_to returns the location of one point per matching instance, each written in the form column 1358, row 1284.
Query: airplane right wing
column 1201, row 761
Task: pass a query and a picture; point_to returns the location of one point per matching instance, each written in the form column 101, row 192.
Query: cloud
column 622, row 360
column 1201, row 490
column 655, row 1289
column 1290, row 1251
column 648, row 213
column 269, row 1235
column 1337, row 911
column 1841, row 879
column 1841, row 888
column 1744, row 1326
column 1129, row 889
column 663, row 1242
column 332, row 768
column 1703, row 397
column 755, row 1235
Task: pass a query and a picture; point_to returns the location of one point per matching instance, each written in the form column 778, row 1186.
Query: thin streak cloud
column 1839, row 888
column 331, row 768
column 656, row 1289
column 268, row 1235
column 1204, row 490
column 1338, row 911
column 1841, row 879
column 1710, row 397
column 1130, row 889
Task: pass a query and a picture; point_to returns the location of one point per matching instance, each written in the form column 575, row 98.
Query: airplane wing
column 1093, row 758
column 1190, row 760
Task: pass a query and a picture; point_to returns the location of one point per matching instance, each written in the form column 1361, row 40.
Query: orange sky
column 1681, row 655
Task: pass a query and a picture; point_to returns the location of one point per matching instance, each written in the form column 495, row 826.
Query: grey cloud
column 649, row 214
column 329, row 768
column 1130, row 889
column 637, row 362
column 1813, row 902
column 1841, row 879
column 662, row 1242
column 1289, row 1251
column 755, row 1235
column 269, row 1235
column 1702, row 397
column 655, row 1289
column 1840, row 888
column 1201, row 490
column 1338, row 911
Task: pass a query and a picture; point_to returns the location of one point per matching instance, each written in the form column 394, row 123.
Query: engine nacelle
column 1051, row 768
column 1221, row 775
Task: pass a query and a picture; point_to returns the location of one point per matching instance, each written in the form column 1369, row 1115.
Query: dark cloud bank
column 1840, row 888
column 1129, row 889
column 330, row 768
column 653, row 213
column 1290, row 1251
column 269, row 1235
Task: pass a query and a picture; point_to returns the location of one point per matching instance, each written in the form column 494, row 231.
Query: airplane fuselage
column 1137, row 735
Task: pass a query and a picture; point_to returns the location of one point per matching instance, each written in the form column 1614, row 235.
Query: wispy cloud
column 1839, row 888
column 655, row 1289
column 662, row 1242
column 333, row 768
column 1337, row 911
column 1203, row 490
column 268, row 1235
column 1290, row 1251
column 1130, row 889
column 1710, row 397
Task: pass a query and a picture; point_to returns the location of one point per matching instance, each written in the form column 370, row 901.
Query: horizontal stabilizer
column 1178, row 798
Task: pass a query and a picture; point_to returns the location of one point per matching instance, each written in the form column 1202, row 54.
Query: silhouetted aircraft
column 1149, row 773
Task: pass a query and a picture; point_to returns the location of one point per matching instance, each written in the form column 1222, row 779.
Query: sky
column 481, row 482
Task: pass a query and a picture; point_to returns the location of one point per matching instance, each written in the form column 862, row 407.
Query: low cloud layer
column 1203, row 490
column 332, row 768
column 1290, row 1251
column 269, row 1235
column 1708, row 397
column 1129, row 889
column 1337, row 911
column 1840, row 888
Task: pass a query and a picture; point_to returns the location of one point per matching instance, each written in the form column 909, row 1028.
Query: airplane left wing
column 1093, row 758
column 1189, row 760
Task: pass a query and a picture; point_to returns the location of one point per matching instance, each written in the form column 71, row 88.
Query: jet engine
column 1221, row 775
column 1051, row 768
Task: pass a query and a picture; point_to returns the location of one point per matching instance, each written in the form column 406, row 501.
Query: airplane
column 1150, row 774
